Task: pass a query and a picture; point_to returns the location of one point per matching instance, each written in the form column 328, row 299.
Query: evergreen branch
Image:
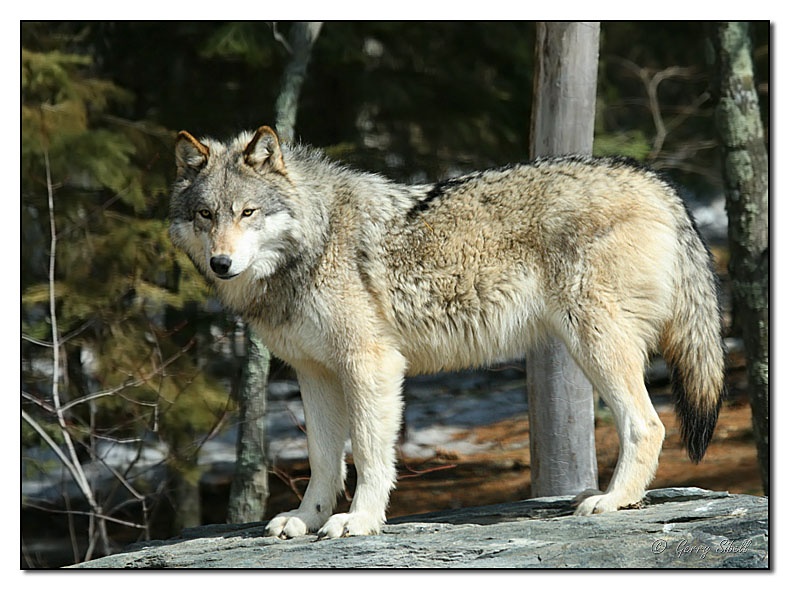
column 143, row 126
column 83, row 223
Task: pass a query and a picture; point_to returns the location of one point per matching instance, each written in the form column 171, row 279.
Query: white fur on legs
column 372, row 385
column 641, row 435
column 327, row 428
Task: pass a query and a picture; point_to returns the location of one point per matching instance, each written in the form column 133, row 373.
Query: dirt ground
column 501, row 473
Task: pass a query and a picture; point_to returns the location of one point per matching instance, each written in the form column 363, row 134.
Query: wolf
column 357, row 281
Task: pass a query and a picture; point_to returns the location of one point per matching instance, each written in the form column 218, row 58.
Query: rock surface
column 676, row 528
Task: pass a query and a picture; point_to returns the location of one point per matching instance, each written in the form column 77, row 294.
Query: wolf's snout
column 220, row 264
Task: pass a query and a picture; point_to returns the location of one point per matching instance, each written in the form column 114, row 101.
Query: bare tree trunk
column 300, row 39
column 249, row 490
column 561, row 412
column 745, row 166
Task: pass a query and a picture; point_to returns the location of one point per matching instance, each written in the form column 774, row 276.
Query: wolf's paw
column 350, row 524
column 595, row 502
column 295, row 523
column 581, row 497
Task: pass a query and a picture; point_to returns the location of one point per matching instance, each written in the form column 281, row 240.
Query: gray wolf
column 357, row 281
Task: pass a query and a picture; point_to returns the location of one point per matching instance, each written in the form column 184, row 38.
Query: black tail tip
column 697, row 434
column 696, row 424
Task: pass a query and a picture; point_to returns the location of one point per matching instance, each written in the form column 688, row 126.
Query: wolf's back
column 692, row 343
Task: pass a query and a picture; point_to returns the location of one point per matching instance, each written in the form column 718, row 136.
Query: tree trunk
column 250, row 487
column 745, row 167
column 301, row 39
column 561, row 412
column 249, row 490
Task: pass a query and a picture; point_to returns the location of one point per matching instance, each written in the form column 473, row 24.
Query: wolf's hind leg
column 611, row 352
column 327, row 428
column 372, row 386
column 641, row 434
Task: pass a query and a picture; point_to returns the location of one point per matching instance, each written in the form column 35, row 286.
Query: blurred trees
column 127, row 351
column 145, row 357
column 422, row 100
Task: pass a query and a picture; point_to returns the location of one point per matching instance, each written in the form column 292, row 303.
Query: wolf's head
column 230, row 209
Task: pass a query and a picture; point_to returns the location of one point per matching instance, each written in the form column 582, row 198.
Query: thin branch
column 112, row 439
column 123, row 481
column 84, row 513
column 288, row 480
column 279, row 38
column 688, row 110
column 76, row 467
column 38, row 401
column 64, row 339
column 36, row 341
column 416, row 473
column 295, row 420
column 77, row 470
column 61, row 455
column 133, row 382
column 26, row 555
column 651, row 82
column 75, row 549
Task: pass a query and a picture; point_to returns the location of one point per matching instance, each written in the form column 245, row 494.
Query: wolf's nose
column 220, row 264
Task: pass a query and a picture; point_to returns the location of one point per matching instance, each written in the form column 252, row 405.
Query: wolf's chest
column 294, row 343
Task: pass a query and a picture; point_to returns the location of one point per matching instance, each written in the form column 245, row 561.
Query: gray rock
column 676, row 528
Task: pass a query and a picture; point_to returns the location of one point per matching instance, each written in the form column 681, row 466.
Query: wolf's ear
column 191, row 155
column 263, row 152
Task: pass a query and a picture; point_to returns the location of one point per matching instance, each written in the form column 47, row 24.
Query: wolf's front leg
column 372, row 386
column 327, row 428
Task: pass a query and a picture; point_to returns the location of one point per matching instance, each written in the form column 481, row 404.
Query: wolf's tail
column 692, row 344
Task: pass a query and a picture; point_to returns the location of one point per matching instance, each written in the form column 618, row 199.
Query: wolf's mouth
column 226, row 277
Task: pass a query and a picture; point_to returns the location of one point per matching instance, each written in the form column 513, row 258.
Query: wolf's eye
column 247, row 212
column 205, row 213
